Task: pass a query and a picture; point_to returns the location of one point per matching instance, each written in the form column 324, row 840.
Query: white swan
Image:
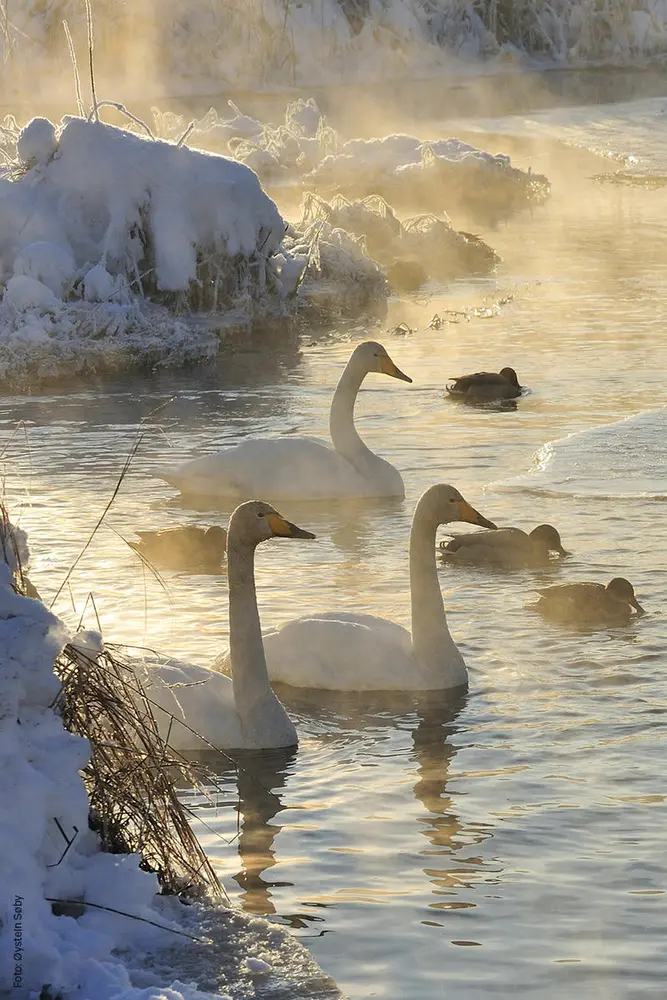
column 242, row 712
column 303, row 468
column 359, row 652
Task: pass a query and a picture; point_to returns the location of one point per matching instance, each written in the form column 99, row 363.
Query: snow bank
column 45, row 808
column 110, row 243
column 305, row 152
column 48, row 853
column 144, row 209
column 183, row 46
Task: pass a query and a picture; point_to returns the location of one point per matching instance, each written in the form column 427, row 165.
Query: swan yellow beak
column 387, row 367
column 285, row 529
column 472, row 516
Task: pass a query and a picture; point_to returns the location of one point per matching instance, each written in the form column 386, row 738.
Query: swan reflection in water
column 265, row 781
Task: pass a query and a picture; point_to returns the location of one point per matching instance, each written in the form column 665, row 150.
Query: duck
column 185, row 547
column 194, row 706
column 506, row 548
column 303, row 468
column 613, row 603
column 486, row 385
column 354, row 651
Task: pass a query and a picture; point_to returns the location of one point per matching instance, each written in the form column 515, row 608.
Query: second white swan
column 303, row 468
column 344, row 651
column 243, row 712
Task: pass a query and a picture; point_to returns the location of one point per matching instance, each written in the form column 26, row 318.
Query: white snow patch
column 37, row 142
column 257, row 967
column 23, row 293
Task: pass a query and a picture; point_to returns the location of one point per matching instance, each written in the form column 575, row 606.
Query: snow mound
column 49, row 263
column 37, row 142
column 23, row 294
column 447, row 172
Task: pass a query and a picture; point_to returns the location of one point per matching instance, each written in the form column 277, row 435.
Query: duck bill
column 389, row 368
column 283, row 528
column 637, row 606
column 472, row 516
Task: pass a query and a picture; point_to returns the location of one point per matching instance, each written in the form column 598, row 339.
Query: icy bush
column 427, row 241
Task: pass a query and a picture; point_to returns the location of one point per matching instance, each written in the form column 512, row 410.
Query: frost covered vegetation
column 77, row 919
column 121, row 250
column 110, row 243
column 409, row 172
column 192, row 47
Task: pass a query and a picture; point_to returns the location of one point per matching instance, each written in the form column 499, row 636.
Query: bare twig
column 89, row 22
column 77, row 81
column 187, row 132
column 131, row 916
column 123, row 111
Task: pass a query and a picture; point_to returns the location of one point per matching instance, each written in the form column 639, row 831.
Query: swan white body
column 194, row 706
column 303, row 468
column 359, row 652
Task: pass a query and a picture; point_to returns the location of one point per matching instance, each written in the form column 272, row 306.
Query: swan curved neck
column 432, row 643
column 246, row 649
column 343, row 433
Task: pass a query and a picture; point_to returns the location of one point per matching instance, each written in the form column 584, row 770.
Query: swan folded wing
column 280, row 468
column 340, row 651
column 187, row 699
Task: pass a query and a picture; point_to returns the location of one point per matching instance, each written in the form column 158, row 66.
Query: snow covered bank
column 182, row 46
column 110, row 243
column 78, row 922
column 305, row 153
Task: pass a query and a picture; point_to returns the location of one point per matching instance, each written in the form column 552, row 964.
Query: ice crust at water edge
column 622, row 459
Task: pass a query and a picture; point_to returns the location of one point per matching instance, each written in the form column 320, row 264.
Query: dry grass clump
column 134, row 806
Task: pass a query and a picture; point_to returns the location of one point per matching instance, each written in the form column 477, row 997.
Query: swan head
column 547, row 536
column 622, row 590
column 373, row 357
column 444, row 504
column 511, row 376
column 255, row 521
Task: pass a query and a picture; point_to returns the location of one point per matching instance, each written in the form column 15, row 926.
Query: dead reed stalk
column 134, row 805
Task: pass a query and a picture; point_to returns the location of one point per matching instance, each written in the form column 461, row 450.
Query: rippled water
column 510, row 843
